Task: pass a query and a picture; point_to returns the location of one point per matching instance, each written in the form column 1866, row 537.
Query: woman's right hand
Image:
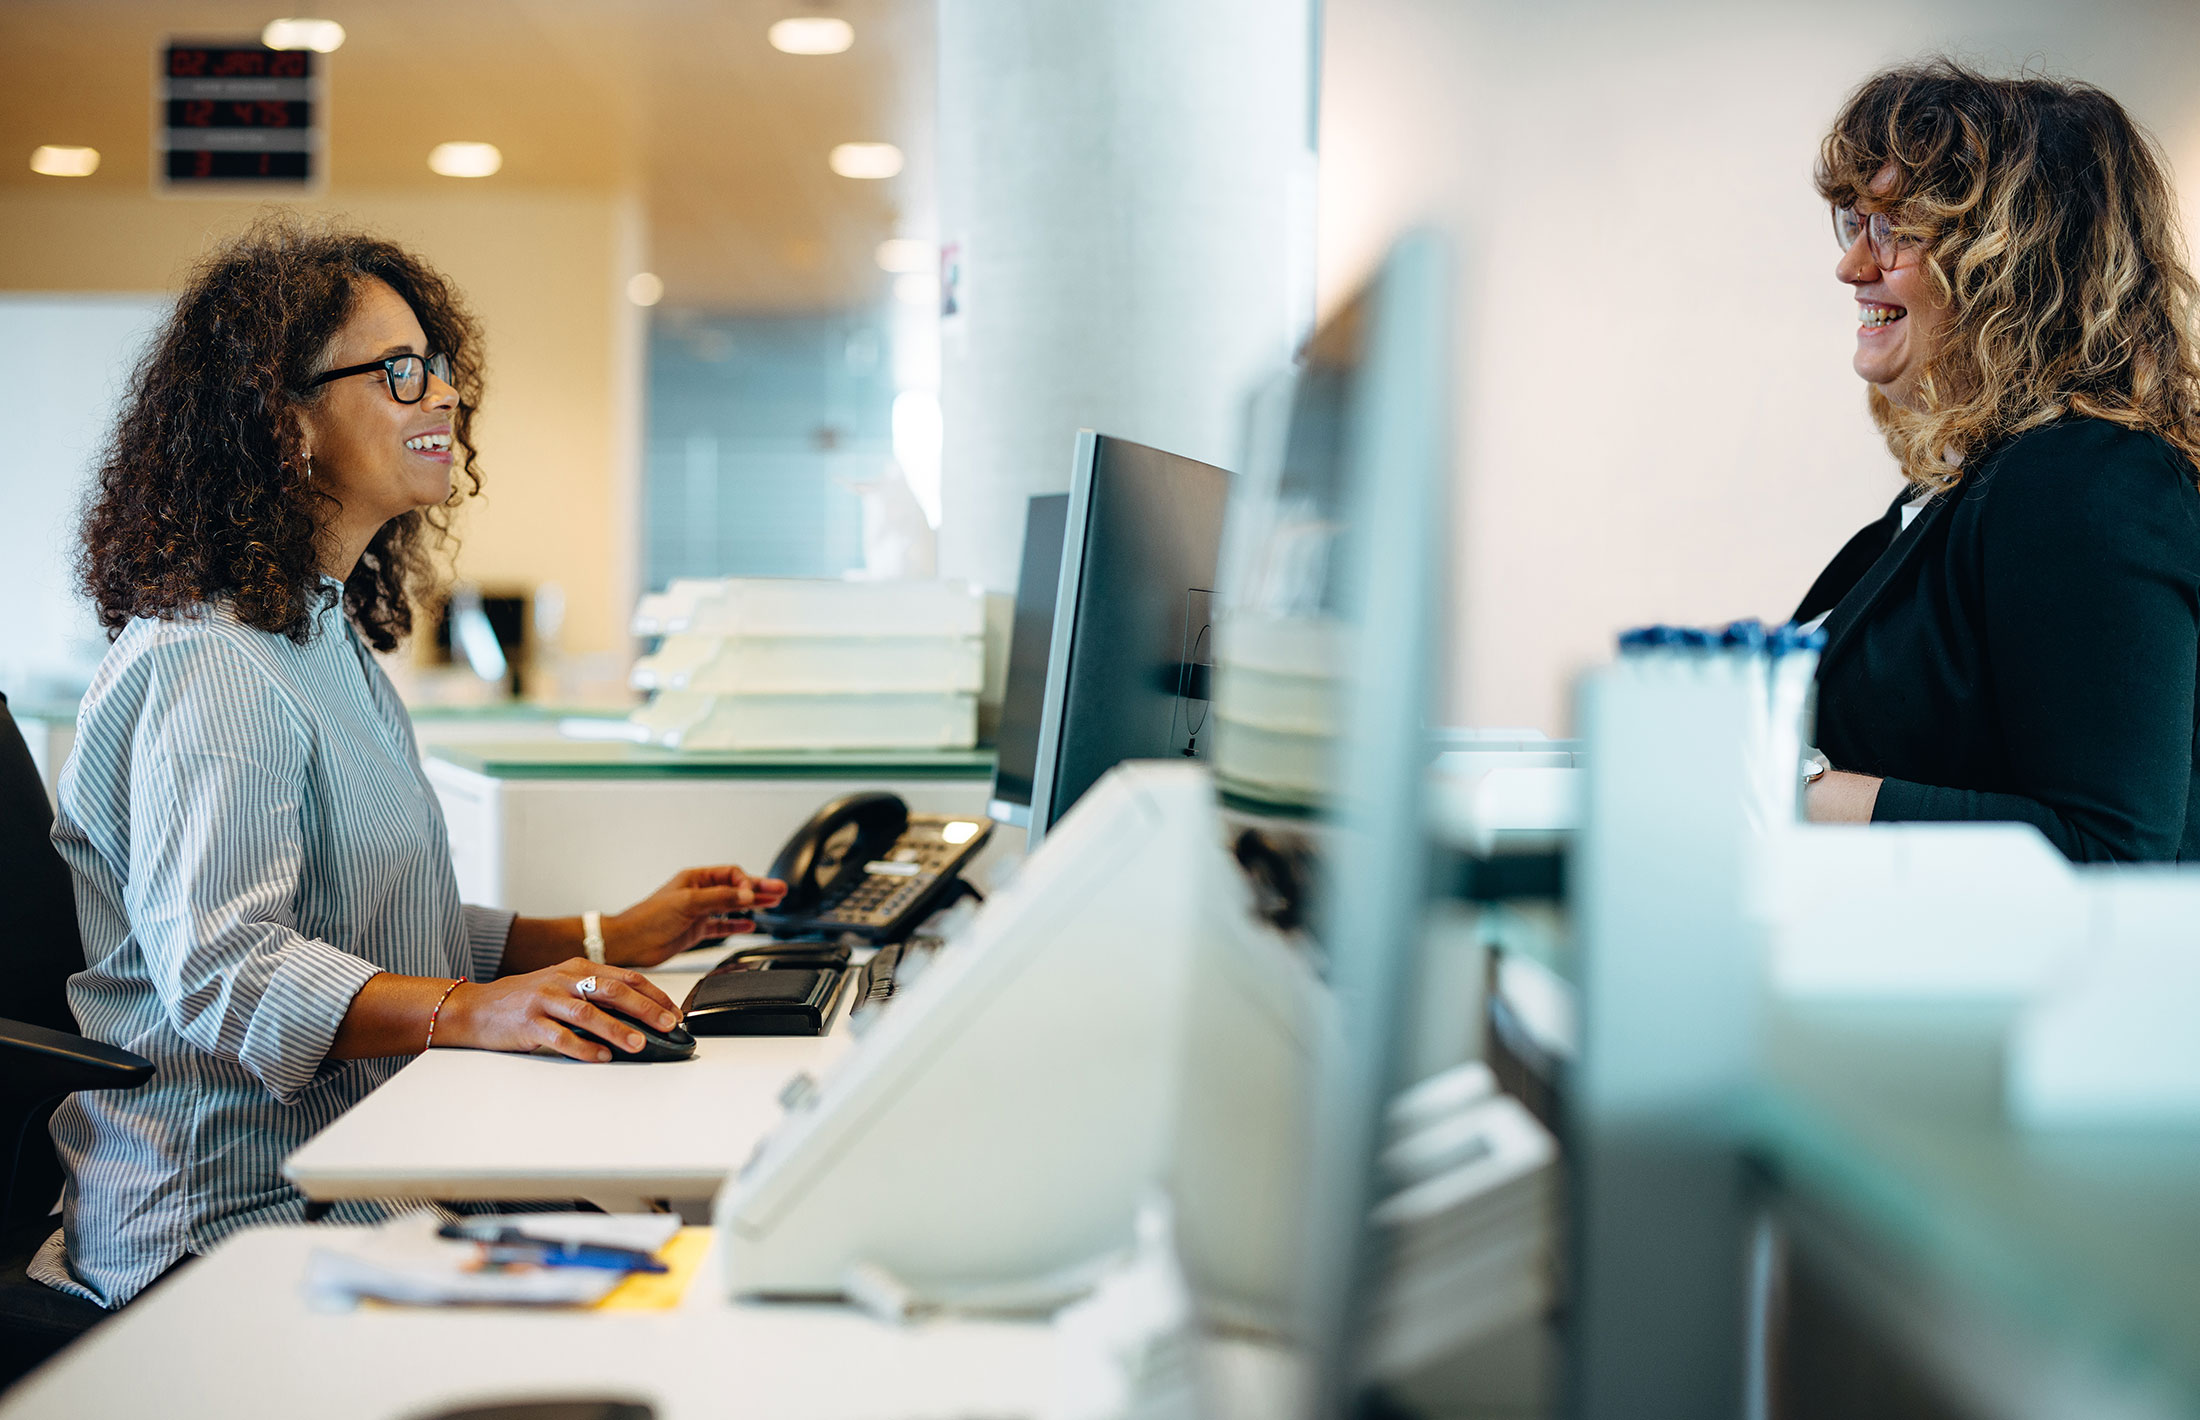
column 522, row 1013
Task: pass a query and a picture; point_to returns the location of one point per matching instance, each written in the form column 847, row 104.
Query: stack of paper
column 1278, row 689
column 1467, row 1225
column 782, row 663
column 405, row 1262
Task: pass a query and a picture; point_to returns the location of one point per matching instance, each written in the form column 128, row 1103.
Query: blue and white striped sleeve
column 487, row 928
column 213, row 879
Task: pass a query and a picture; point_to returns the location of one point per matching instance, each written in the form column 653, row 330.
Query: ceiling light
column 903, row 254
column 866, row 160
column 917, row 288
column 320, row 36
column 465, row 159
column 645, row 288
column 60, row 160
column 812, row 34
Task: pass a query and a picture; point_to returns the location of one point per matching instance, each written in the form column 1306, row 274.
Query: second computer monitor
column 1128, row 664
column 1016, row 741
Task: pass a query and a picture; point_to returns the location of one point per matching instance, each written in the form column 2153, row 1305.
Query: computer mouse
column 561, row 1409
column 657, row 1045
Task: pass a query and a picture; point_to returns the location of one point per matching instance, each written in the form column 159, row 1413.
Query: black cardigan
column 2028, row 649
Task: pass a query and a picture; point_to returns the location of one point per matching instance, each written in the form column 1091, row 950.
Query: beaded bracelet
column 439, row 1010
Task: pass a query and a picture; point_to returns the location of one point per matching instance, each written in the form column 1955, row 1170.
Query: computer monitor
column 1125, row 1023
column 1328, row 636
column 1031, row 632
column 1129, row 659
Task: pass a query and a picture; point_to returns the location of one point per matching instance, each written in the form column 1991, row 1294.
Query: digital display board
column 233, row 114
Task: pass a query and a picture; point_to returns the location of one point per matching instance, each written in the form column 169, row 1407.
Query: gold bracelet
column 439, row 1011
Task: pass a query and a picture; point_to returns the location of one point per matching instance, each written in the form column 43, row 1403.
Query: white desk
column 477, row 1124
column 231, row 1337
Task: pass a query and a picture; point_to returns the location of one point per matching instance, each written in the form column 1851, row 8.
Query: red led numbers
column 231, row 114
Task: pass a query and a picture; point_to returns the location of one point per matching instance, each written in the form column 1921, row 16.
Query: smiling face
column 377, row 458
column 1900, row 318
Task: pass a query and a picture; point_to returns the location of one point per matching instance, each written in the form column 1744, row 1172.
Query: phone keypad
column 883, row 891
column 878, row 898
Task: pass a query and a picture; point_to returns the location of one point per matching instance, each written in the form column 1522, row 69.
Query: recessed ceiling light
column 866, row 160
column 465, row 159
column 61, row 160
column 645, row 288
column 320, row 36
column 812, row 34
column 917, row 288
column 904, row 254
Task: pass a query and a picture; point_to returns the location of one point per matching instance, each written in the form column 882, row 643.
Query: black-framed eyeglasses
column 407, row 374
column 1878, row 228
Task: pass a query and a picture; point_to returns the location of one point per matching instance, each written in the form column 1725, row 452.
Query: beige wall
column 1656, row 416
column 545, row 271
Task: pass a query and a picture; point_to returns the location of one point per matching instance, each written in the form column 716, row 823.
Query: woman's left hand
column 1839, row 797
column 694, row 907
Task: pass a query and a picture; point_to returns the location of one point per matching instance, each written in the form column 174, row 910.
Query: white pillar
column 1128, row 188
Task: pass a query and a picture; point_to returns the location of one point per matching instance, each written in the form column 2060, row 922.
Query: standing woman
column 2019, row 637
column 262, row 876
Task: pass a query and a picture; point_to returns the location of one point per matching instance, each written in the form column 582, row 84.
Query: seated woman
column 2019, row 637
column 262, row 876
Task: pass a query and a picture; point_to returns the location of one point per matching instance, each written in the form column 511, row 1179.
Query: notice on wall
column 954, row 295
column 231, row 115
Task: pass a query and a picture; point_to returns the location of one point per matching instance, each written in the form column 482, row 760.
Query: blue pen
column 614, row 1259
column 509, row 1244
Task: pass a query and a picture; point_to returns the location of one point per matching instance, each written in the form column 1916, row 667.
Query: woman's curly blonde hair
column 2045, row 220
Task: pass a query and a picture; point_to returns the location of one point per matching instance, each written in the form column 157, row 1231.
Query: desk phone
column 864, row 866
column 863, row 869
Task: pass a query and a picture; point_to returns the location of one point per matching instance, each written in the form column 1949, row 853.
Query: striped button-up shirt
column 252, row 838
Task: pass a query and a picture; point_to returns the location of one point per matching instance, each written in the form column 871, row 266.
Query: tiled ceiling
column 680, row 101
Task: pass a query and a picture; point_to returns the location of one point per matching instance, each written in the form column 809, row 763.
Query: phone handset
column 844, row 834
column 864, row 865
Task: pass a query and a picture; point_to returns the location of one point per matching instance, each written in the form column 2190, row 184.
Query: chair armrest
column 45, row 1062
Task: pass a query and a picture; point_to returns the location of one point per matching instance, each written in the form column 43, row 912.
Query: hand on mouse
column 692, row 908
column 535, row 1009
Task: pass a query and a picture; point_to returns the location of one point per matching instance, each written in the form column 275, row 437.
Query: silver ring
column 586, row 986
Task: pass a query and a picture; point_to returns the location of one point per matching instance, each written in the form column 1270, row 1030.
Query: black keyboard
column 889, row 968
column 876, row 985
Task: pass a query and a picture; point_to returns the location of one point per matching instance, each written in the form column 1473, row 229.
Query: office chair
column 42, row 1058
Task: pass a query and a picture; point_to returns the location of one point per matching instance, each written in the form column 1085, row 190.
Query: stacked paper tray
column 1470, row 1226
column 790, row 665
column 793, row 606
column 1278, row 685
column 681, row 719
column 787, row 664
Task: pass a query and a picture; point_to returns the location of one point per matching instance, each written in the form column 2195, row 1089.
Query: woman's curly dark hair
column 203, row 491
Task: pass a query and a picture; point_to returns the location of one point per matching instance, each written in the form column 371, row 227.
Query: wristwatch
column 1814, row 766
column 592, row 936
